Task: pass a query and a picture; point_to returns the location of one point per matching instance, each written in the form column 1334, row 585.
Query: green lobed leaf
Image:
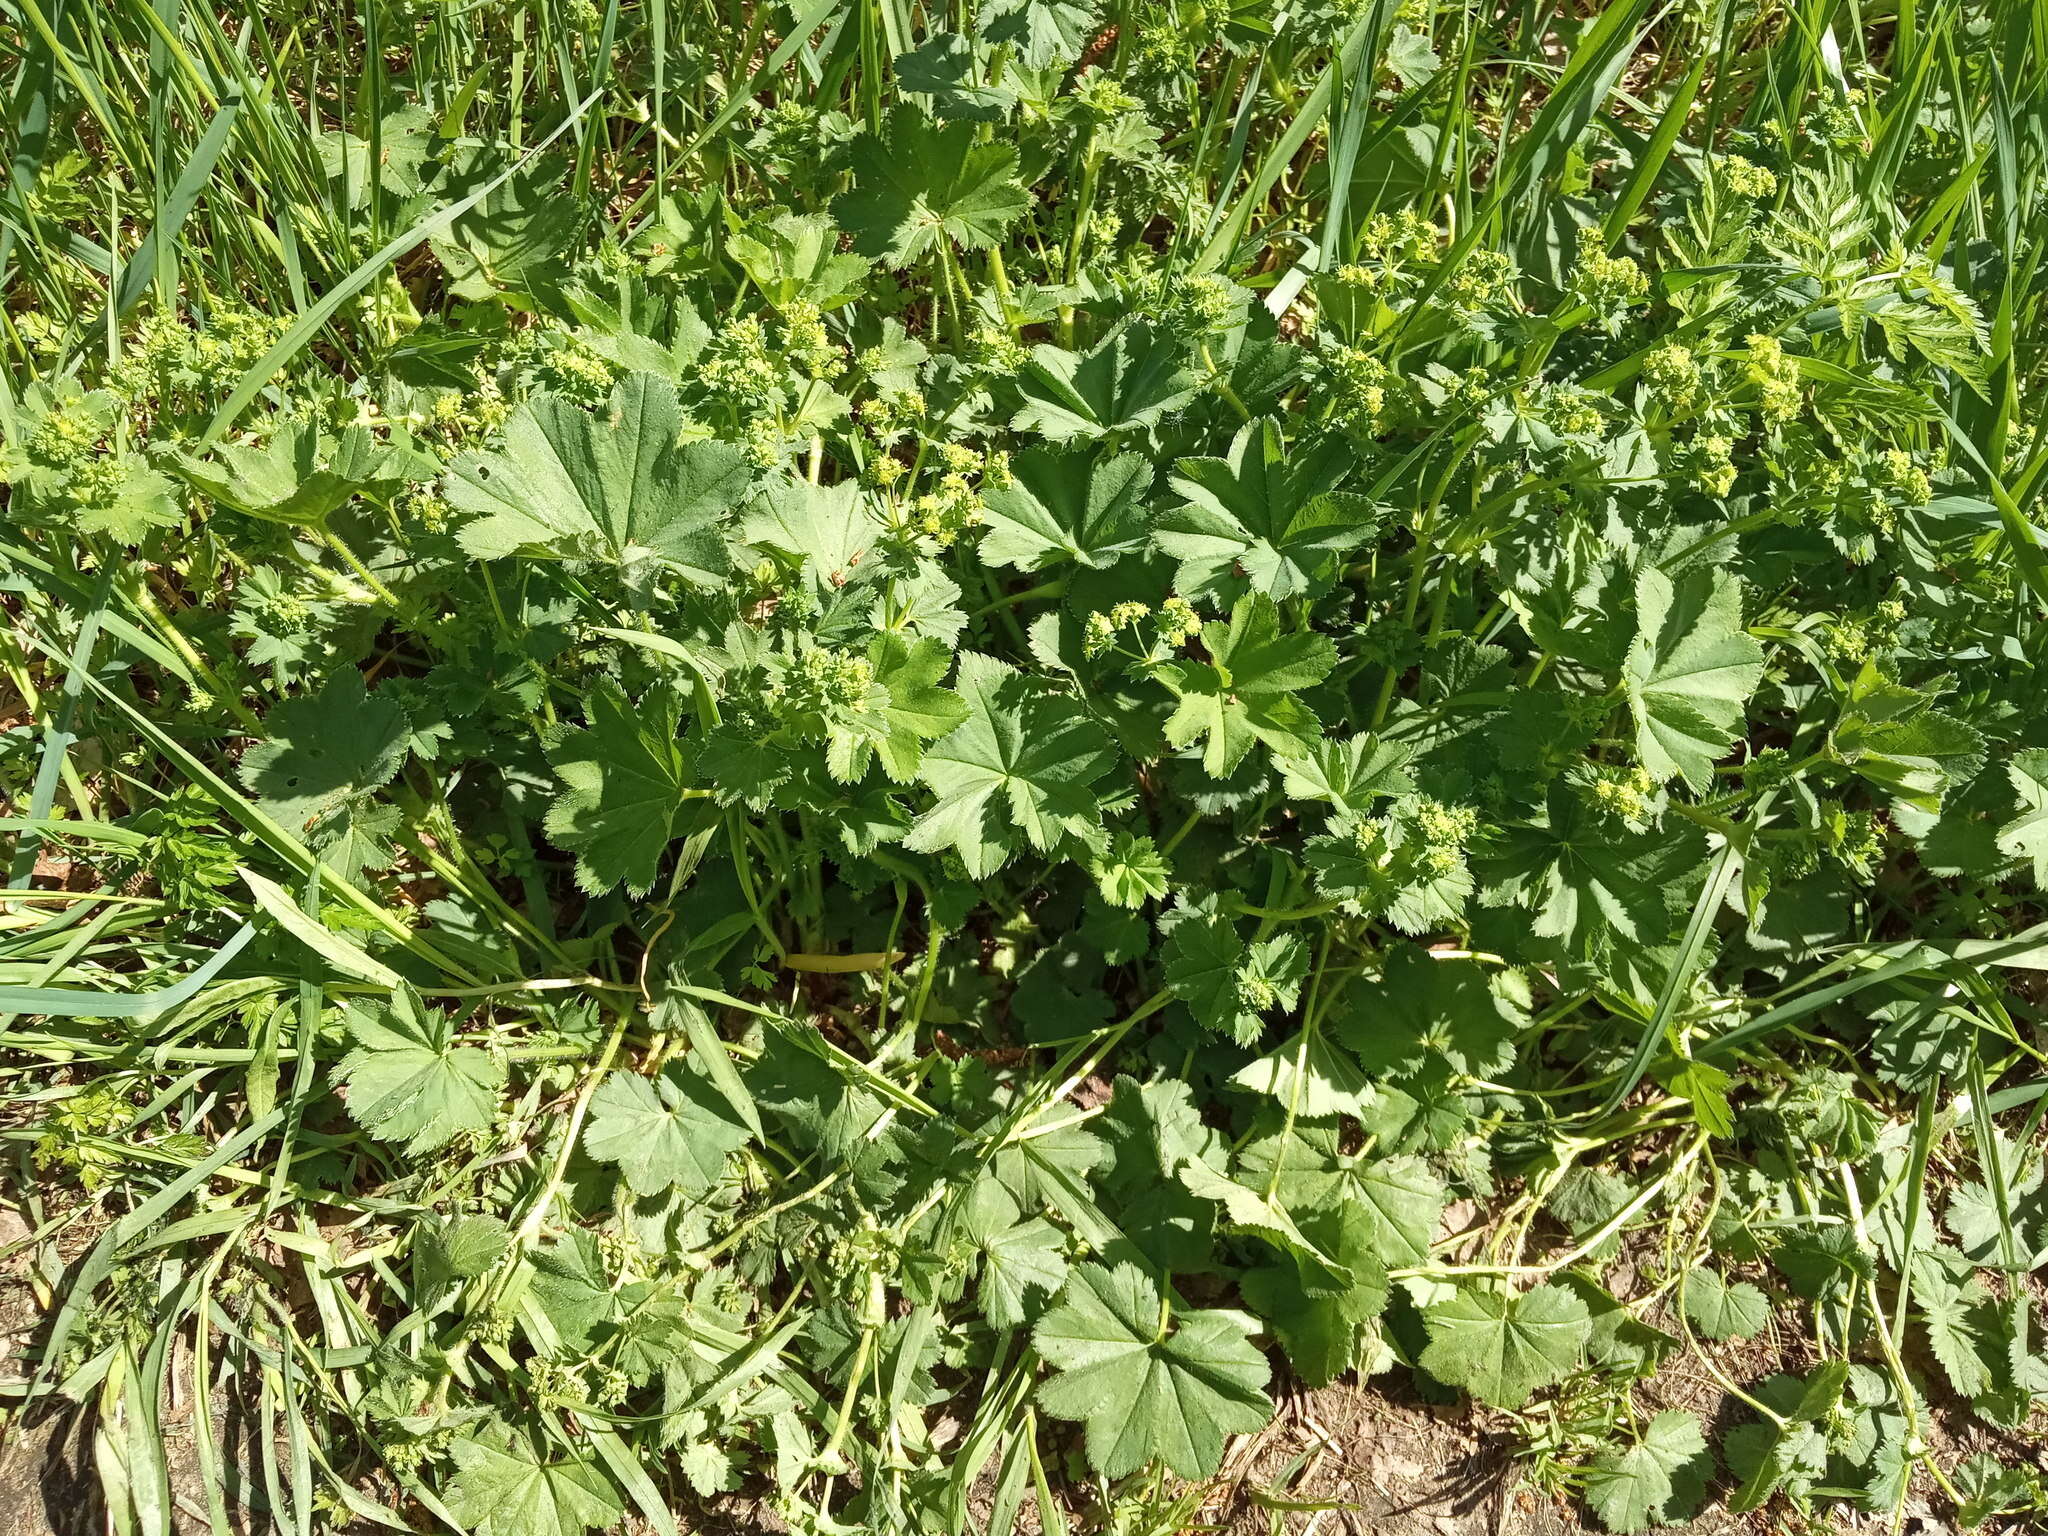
column 1653, row 1480
column 623, row 777
column 1015, row 771
column 920, row 182
column 1690, row 671
column 1502, row 1348
column 507, row 1489
column 1148, row 1384
column 409, row 1081
column 673, row 1131
column 614, row 486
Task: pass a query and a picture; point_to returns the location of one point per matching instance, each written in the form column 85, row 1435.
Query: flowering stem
column 364, row 574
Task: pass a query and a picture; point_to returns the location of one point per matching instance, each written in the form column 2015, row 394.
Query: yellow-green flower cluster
column 1099, row 97
column 1848, row 640
column 1485, row 280
column 167, row 357
column 454, row 419
column 1605, row 281
column 997, row 351
column 1255, row 991
column 1357, row 383
column 888, row 414
column 1712, row 464
column 1674, row 373
column 68, row 434
column 1356, row 275
column 1196, row 305
column 1574, row 412
column 947, row 511
column 819, row 680
column 805, row 342
column 1625, row 793
column 738, row 364
column 1444, row 831
column 1907, row 478
column 1174, row 623
column 953, row 504
column 426, row 509
column 1776, row 377
column 1398, row 236
column 767, row 444
column 575, row 372
column 1744, row 178
column 1100, row 632
column 1178, row 621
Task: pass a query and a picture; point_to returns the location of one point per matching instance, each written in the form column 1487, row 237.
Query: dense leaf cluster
column 963, row 787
